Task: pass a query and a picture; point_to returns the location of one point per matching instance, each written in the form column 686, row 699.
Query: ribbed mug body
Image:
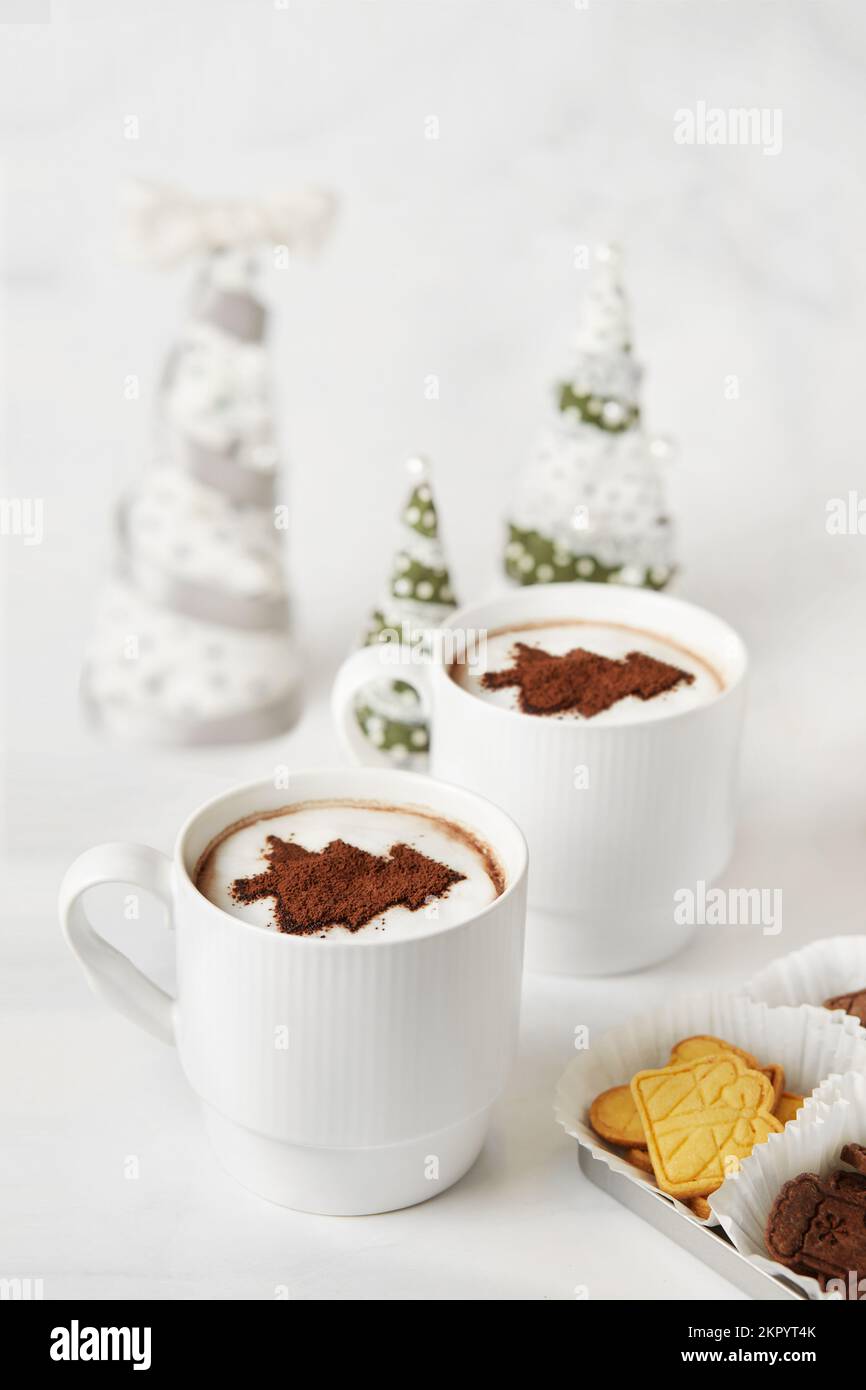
column 618, row 817
column 341, row 1048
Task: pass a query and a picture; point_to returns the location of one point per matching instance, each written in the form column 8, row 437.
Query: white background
column 453, row 257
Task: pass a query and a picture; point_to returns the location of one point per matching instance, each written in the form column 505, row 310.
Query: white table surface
column 89, row 1093
column 454, row 258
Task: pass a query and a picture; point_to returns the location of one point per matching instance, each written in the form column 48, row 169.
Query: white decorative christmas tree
column 417, row 600
column 591, row 503
column 192, row 644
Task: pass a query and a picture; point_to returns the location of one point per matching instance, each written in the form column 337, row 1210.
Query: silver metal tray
column 708, row 1243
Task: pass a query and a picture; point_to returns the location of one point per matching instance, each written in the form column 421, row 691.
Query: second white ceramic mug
column 618, row 817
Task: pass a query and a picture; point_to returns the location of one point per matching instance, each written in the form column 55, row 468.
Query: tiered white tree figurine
column 417, row 599
column 192, row 644
column 591, row 503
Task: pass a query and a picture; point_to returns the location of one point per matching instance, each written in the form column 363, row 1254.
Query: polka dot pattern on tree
column 147, row 666
column 419, row 598
column 591, row 503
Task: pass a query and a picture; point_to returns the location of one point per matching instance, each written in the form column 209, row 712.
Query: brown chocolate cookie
column 818, row 1226
column 855, row 1154
column 853, row 1003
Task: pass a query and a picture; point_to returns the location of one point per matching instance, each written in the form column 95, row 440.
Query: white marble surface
column 453, row 257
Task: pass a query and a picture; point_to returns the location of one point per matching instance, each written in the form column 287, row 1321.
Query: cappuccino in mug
column 576, row 669
column 606, row 721
column 348, row 957
column 337, row 869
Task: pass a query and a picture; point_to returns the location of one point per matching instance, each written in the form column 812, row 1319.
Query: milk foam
column 607, row 639
column 239, row 853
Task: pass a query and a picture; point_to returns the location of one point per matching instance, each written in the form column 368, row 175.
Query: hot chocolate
column 573, row 669
column 339, row 869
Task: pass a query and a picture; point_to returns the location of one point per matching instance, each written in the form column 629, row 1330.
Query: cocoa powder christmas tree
column 342, row 885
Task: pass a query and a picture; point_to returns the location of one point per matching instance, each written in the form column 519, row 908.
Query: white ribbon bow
column 166, row 224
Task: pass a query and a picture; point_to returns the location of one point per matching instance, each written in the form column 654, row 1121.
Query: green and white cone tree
column 417, row 599
column 591, row 503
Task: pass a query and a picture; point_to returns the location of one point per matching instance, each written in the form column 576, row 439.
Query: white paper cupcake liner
column 810, row 1144
column 819, row 971
column 808, row 1043
column 833, row 1088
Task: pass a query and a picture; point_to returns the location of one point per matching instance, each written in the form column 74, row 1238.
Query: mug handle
column 373, row 663
column 108, row 971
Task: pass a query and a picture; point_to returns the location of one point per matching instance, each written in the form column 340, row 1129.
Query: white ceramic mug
column 344, row 1075
column 618, row 817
